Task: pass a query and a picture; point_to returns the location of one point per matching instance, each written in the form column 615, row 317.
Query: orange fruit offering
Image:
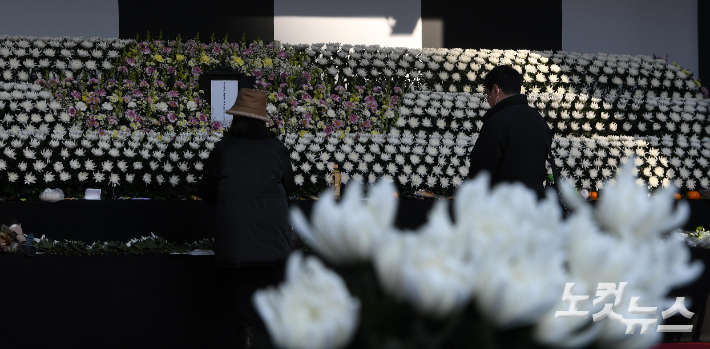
column 593, row 195
column 677, row 196
column 693, row 194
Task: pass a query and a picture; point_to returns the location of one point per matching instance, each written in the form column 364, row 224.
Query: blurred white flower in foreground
column 521, row 244
column 620, row 241
column 345, row 232
column 311, row 309
column 432, row 269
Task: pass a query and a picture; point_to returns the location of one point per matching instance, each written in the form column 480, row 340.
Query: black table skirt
column 161, row 301
column 181, row 221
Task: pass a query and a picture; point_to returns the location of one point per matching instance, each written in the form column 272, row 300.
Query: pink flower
column 145, row 50
column 126, row 99
column 144, row 84
column 131, row 114
column 328, row 130
column 130, row 61
column 172, row 117
column 203, row 117
column 123, row 69
column 137, row 93
column 71, row 111
column 196, row 71
column 334, row 97
column 257, row 73
column 353, row 118
column 101, row 92
column 75, row 94
column 216, row 125
column 172, row 70
column 167, row 49
column 149, row 70
column 281, row 54
column 280, row 96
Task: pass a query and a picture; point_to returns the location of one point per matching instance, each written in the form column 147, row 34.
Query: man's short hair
column 507, row 79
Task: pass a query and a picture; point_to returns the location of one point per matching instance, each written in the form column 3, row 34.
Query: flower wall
column 128, row 116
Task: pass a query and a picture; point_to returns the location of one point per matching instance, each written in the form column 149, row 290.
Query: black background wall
column 501, row 24
column 704, row 41
column 187, row 18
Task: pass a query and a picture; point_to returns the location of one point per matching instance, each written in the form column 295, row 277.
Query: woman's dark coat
column 513, row 145
column 248, row 181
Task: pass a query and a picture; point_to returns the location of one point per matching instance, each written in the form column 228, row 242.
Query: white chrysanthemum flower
column 310, row 292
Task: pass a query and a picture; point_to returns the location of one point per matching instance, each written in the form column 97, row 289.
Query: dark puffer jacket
column 513, row 145
column 248, row 181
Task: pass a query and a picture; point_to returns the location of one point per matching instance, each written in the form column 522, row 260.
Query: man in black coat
column 514, row 141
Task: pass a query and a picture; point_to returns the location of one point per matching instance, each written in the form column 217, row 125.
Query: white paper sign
column 224, row 93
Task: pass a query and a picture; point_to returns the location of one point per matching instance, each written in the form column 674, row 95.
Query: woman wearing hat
column 248, row 178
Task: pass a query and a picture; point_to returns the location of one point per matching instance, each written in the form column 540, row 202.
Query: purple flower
column 272, row 76
column 248, row 52
column 127, row 83
column 173, row 104
column 159, row 83
column 281, row 54
column 216, row 49
column 123, row 69
column 353, row 118
column 335, row 97
column 180, row 84
column 360, row 89
column 172, row 70
column 307, row 97
column 196, row 71
column 328, row 130
column 126, row 99
column 149, row 99
column 338, row 124
column 193, row 121
column 174, row 94
column 377, row 89
column 112, row 120
column 167, row 49
column 256, row 73
column 394, row 100
column 370, row 99
column 284, row 75
column 349, row 104
column 131, row 114
column 365, row 124
column 76, row 94
column 145, row 50
column 149, row 70
column 130, row 61
column 307, row 76
column 162, row 119
column 111, row 83
column 216, row 125
column 101, row 92
column 280, row 96
column 40, row 82
column 203, row 117
column 172, row 117
column 397, row 89
column 93, row 81
column 340, row 88
column 137, row 93
column 71, row 110
column 144, row 84
column 308, row 116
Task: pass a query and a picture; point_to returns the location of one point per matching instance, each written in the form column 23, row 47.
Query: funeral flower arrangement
column 458, row 283
column 130, row 117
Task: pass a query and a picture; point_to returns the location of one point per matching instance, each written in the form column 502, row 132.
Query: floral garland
column 128, row 116
column 143, row 245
